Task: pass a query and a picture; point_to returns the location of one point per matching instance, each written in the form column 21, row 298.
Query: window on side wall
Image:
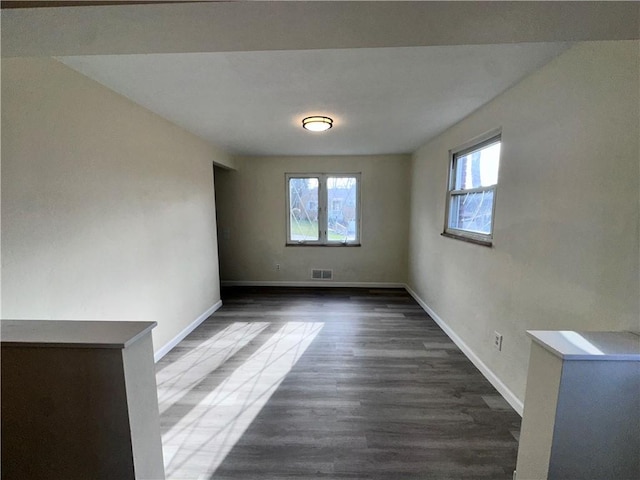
column 323, row 209
column 471, row 196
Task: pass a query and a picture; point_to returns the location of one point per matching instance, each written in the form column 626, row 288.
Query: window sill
column 322, row 244
column 484, row 243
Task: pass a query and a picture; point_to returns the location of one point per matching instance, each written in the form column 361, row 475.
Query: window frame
column 473, row 145
column 323, row 211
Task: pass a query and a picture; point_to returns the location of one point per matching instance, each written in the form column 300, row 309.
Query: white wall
column 252, row 218
column 107, row 209
column 566, row 243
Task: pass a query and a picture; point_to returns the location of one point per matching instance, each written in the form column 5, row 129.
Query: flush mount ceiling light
column 317, row 124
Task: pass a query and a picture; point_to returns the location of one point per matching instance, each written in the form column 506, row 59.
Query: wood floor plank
column 329, row 383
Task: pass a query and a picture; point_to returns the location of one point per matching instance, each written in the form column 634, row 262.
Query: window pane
column 303, row 205
column 342, row 215
column 478, row 168
column 472, row 211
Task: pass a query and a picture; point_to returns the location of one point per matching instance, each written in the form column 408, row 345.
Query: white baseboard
column 166, row 348
column 316, row 283
column 508, row 395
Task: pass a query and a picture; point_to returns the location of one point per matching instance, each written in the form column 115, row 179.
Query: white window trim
column 470, row 146
column 322, row 211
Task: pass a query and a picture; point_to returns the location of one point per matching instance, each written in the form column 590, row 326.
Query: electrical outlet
column 277, row 266
column 497, row 341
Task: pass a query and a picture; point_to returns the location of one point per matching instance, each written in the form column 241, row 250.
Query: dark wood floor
column 286, row 383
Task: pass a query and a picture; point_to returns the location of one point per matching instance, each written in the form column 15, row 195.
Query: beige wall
column 107, row 209
column 252, row 221
column 565, row 252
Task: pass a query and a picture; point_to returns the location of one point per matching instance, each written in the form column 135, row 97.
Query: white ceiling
column 243, row 74
column 384, row 100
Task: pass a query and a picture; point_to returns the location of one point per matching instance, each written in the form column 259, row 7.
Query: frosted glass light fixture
column 317, row 124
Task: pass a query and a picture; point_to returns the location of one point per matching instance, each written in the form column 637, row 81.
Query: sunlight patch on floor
column 198, row 443
column 178, row 378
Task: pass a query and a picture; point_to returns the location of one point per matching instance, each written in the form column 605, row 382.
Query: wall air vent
column 319, row 274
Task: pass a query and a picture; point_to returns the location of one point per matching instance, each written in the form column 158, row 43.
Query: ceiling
column 384, row 100
column 242, row 75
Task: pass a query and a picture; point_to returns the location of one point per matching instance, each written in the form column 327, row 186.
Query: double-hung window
column 323, row 209
column 473, row 177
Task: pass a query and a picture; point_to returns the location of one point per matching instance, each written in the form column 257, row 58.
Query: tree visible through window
column 473, row 178
column 323, row 209
column 303, row 211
